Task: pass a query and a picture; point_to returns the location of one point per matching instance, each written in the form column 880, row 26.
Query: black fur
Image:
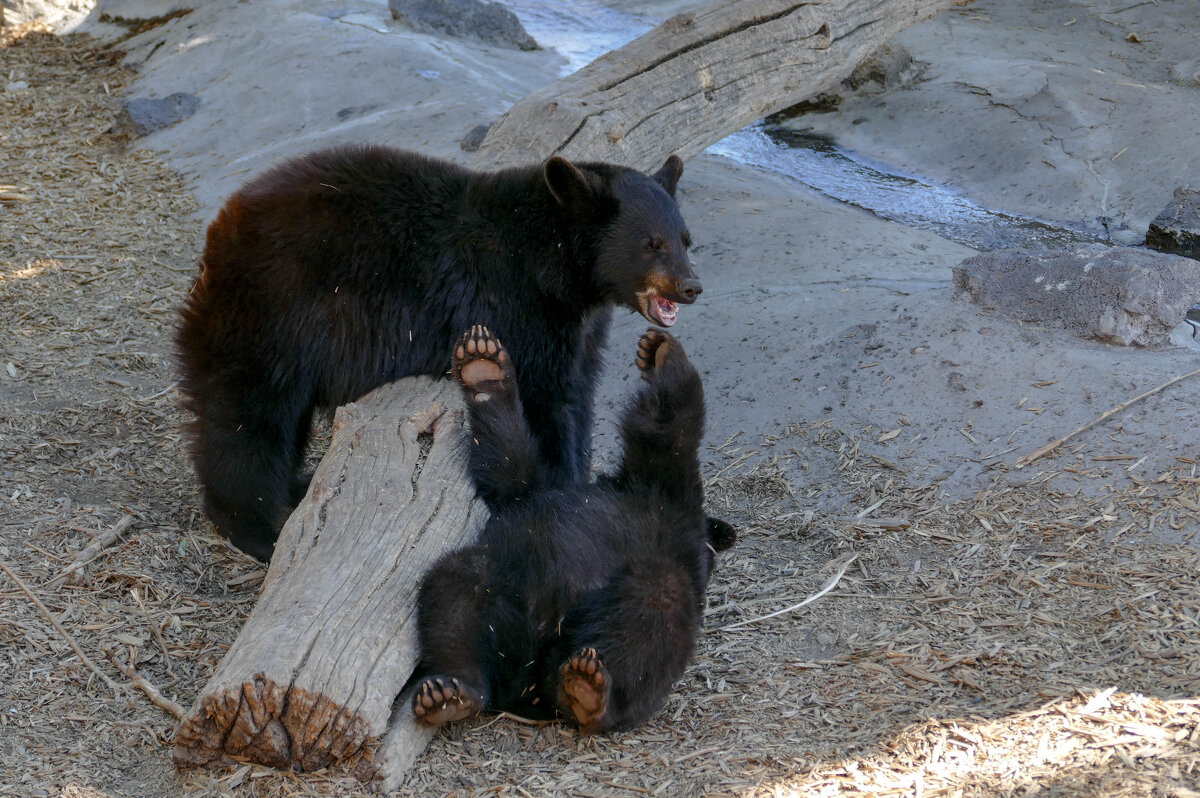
column 617, row 568
column 334, row 273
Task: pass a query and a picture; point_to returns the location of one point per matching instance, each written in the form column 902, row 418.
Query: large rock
column 1126, row 296
column 490, row 23
column 1177, row 228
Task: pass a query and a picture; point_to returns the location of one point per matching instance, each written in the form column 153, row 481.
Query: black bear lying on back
column 334, row 273
column 584, row 600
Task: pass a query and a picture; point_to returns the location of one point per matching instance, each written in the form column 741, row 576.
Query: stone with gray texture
column 1126, row 296
column 143, row 116
column 490, row 23
column 1177, row 229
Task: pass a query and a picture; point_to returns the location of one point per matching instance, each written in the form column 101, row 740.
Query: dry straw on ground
column 1032, row 640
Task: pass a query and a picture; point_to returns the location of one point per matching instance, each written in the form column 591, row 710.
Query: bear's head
column 641, row 256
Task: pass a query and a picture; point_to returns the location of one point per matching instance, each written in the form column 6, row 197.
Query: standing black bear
column 584, row 600
column 334, row 273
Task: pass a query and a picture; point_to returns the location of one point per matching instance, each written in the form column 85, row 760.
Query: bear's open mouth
column 664, row 310
column 656, row 309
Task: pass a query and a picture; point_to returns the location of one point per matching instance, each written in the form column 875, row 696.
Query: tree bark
column 696, row 78
column 312, row 678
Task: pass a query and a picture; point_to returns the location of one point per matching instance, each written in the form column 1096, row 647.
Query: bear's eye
column 656, row 243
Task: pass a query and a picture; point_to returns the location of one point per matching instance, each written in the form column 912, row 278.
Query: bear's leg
column 664, row 423
column 663, row 427
column 245, row 464
column 504, row 455
column 451, row 608
column 642, row 627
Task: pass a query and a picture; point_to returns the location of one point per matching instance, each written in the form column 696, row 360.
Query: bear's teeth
column 666, row 311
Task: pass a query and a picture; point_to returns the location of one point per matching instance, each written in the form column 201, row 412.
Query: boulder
column 490, row 23
column 143, row 116
column 1177, row 229
column 1125, row 296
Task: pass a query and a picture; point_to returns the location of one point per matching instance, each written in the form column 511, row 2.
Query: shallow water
column 583, row 30
column 823, row 166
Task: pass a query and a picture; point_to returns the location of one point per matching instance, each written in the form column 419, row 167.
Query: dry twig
column 156, row 698
column 157, row 635
column 92, row 551
column 116, row 688
column 1029, row 458
column 830, row 584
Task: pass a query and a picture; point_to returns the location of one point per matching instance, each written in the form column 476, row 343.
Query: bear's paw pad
column 585, row 688
column 480, row 363
column 441, row 700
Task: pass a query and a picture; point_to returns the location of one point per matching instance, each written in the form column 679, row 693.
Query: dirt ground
column 1040, row 636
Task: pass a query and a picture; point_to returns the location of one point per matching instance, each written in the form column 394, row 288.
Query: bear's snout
column 688, row 289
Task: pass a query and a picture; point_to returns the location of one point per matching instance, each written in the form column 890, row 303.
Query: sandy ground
column 856, row 408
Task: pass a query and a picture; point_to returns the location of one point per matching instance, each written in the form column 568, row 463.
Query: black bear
column 584, row 600
column 336, row 272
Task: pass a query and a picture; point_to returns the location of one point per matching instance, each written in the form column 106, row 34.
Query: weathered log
column 313, row 676
column 311, row 679
column 698, row 77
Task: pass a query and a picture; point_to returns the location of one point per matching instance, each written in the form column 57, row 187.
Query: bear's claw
column 440, row 700
column 654, row 347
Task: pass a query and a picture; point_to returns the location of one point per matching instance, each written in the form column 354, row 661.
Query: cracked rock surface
column 1048, row 109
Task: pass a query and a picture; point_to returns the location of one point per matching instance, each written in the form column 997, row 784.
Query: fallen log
column 698, row 77
column 313, row 677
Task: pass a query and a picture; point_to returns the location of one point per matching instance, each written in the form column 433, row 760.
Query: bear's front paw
column 480, row 364
column 655, row 347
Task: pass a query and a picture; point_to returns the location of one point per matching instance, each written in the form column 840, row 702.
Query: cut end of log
column 270, row 724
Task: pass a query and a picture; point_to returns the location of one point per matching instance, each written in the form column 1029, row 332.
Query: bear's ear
column 668, row 176
column 568, row 185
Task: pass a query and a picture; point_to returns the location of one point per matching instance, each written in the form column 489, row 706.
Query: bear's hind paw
column 584, row 689
column 480, row 364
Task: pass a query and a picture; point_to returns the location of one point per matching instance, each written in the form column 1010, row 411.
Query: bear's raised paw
column 481, row 365
column 655, row 347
